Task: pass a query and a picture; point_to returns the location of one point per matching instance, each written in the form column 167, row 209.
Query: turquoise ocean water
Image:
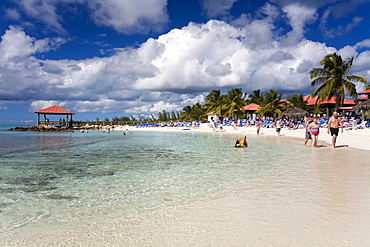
column 59, row 179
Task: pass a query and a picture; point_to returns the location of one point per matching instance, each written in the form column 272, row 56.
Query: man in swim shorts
column 333, row 127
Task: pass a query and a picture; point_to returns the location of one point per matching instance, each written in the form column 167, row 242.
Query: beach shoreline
column 322, row 201
column 353, row 138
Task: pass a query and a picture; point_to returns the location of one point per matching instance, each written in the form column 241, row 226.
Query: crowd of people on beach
column 312, row 124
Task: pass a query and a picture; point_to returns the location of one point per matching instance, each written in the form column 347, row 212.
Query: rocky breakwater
column 47, row 128
column 41, row 128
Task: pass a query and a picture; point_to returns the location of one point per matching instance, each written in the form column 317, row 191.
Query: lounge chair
column 362, row 125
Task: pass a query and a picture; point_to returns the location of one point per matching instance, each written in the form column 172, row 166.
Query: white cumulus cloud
column 174, row 70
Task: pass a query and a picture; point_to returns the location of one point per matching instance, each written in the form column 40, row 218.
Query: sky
column 114, row 58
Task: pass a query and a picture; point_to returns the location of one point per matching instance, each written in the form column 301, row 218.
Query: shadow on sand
column 341, row 146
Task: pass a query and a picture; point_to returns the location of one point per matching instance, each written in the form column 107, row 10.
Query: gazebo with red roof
column 252, row 107
column 55, row 110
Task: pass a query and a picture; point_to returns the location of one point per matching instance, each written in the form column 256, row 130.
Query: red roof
column 312, row 101
column 54, row 110
column 364, row 98
column 333, row 99
column 363, row 92
column 252, row 107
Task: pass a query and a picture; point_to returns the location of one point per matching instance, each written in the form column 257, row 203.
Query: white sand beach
column 354, row 138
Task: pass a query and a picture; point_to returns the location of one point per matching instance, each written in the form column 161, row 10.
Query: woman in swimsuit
column 315, row 129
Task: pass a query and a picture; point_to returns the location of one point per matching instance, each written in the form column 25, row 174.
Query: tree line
column 331, row 80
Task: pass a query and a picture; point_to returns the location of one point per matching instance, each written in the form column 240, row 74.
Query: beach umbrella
column 362, row 106
column 295, row 111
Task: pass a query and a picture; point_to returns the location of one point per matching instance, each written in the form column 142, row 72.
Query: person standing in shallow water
column 308, row 132
column 314, row 129
column 258, row 125
column 333, row 127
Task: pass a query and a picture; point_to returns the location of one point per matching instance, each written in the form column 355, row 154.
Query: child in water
column 241, row 142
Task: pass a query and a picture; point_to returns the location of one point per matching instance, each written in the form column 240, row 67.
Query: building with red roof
column 252, row 107
column 365, row 92
column 313, row 100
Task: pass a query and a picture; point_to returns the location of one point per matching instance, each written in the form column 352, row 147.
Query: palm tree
column 186, row 113
column 296, row 100
column 194, row 112
column 333, row 79
column 271, row 103
column 197, row 112
column 256, row 97
column 215, row 102
column 234, row 102
column 163, row 116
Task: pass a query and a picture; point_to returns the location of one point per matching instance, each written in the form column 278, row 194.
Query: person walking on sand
column 278, row 127
column 314, row 129
column 308, row 132
column 333, row 127
column 258, row 125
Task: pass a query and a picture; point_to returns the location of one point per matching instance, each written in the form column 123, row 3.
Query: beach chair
column 323, row 123
column 362, row 125
column 367, row 122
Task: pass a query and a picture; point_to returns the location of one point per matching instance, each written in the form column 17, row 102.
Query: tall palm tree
column 186, row 113
column 194, row 112
column 296, row 100
column 272, row 103
column 234, row 102
column 256, row 97
column 215, row 102
column 197, row 112
column 333, row 79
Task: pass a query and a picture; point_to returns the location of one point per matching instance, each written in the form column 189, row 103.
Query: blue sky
column 106, row 58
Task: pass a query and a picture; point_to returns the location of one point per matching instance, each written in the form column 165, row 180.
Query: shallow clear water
column 62, row 179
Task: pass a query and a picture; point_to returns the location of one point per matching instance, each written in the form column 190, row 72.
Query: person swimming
column 241, row 142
